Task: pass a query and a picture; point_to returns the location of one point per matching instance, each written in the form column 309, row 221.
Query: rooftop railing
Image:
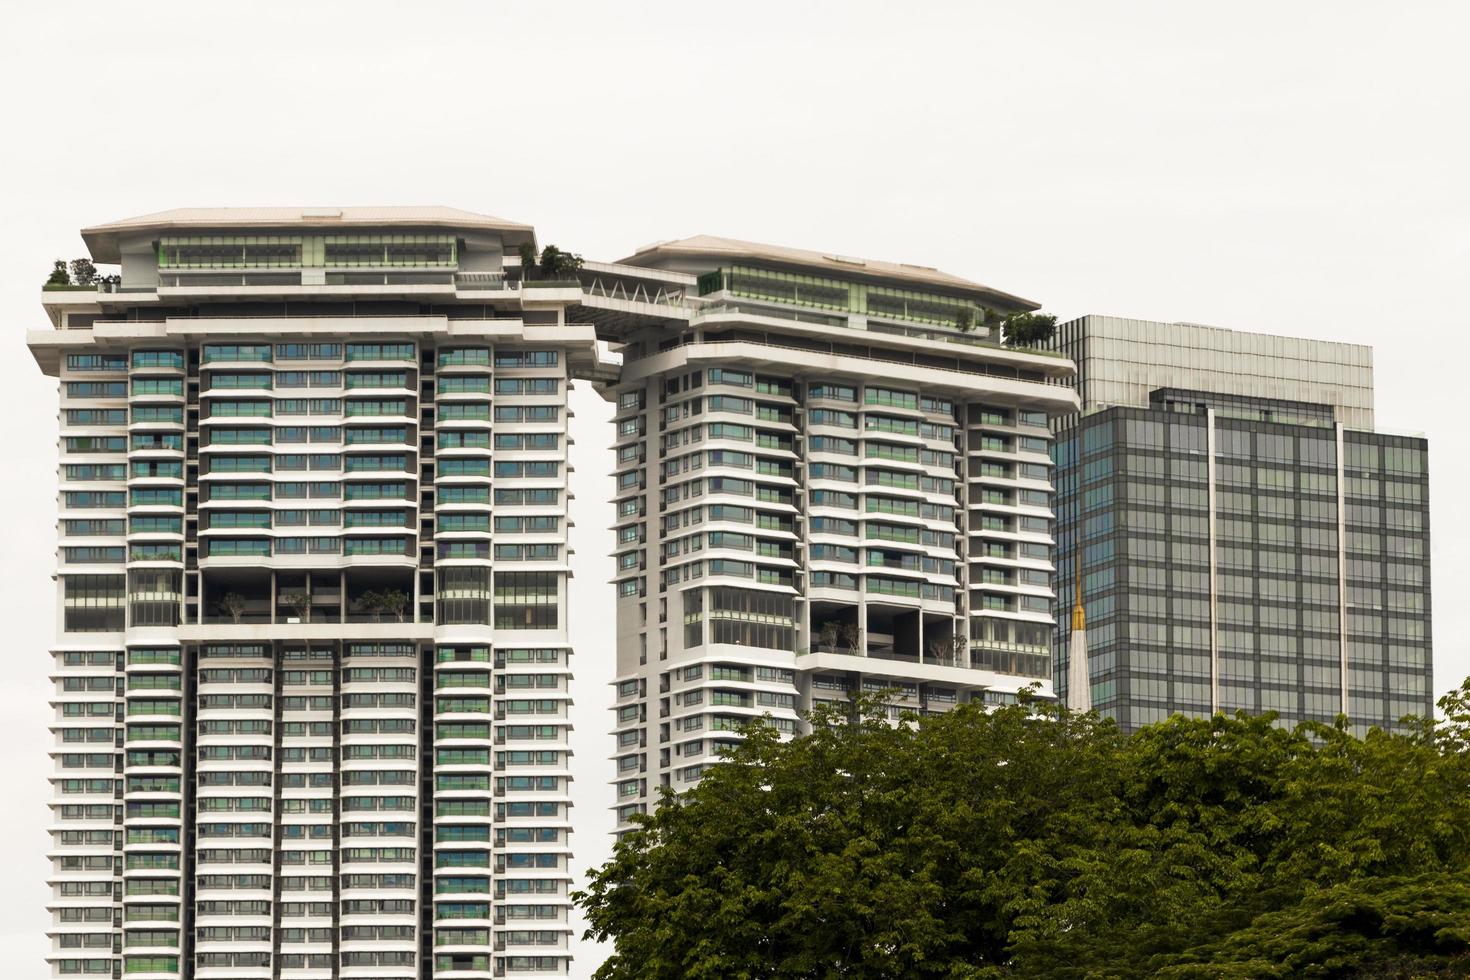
column 980, row 369
column 981, row 656
column 870, row 323
column 483, row 280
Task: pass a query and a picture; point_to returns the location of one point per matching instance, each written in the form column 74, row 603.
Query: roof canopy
column 102, row 240
column 712, row 247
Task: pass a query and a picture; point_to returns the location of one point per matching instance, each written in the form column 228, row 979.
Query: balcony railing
column 483, row 280
column 1030, row 662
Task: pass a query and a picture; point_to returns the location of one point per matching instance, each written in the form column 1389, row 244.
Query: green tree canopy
column 1029, row 842
column 553, row 263
column 83, row 272
column 1028, row 329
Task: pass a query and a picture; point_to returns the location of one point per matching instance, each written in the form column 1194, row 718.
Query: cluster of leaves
column 394, row 602
column 234, row 605
column 552, row 264
column 82, row 273
column 1028, row 329
column 1029, row 842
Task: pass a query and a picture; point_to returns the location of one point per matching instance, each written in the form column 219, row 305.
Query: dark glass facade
column 1219, row 584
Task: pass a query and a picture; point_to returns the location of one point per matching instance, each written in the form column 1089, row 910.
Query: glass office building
column 1240, row 551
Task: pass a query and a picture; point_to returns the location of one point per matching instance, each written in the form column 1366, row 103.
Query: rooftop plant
column 551, row 264
column 1028, row 329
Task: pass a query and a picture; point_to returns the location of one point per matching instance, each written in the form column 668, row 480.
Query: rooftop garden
column 81, row 274
column 552, row 267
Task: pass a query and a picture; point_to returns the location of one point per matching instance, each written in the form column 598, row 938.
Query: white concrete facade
column 830, row 478
column 312, row 657
column 312, row 652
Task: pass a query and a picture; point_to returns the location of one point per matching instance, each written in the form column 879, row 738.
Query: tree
column 528, row 259
column 83, row 272
column 556, row 264
column 1027, row 841
column 233, row 604
column 59, row 275
column 1373, row 928
column 371, row 602
column 852, row 635
column 1028, row 329
column 300, row 604
column 865, row 849
column 827, row 635
column 393, row 602
column 947, row 649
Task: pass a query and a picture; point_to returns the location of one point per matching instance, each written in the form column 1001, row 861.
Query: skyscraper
column 1247, row 540
column 830, row 478
column 311, row 652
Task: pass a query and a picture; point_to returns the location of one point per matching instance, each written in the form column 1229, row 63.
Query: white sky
column 1296, row 168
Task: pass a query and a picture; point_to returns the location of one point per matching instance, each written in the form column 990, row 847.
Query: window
column 158, row 386
column 526, row 600
column 157, row 440
column 89, row 528
column 92, row 499
column 237, row 352
column 158, row 413
column 374, row 546
column 85, row 472
column 832, row 392
column 96, row 362
column 96, row 444
column 96, row 389
column 316, row 352
column 96, row 416
column 463, row 595
column 474, row 467
column 93, row 603
column 890, row 397
column 389, row 250
column 93, row 555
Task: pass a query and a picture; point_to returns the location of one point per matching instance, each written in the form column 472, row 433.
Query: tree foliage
column 552, row 264
column 234, row 605
column 393, row 602
column 1030, row 842
column 299, row 603
column 83, row 272
column 556, row 264
column 1028, row 329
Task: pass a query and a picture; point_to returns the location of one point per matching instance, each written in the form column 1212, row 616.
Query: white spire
column 1079, row 683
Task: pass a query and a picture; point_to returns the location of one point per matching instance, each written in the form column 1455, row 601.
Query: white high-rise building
column 831, row 477
column 312, row 662
column 311, row 657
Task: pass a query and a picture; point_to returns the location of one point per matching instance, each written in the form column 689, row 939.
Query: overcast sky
column 1297, row 168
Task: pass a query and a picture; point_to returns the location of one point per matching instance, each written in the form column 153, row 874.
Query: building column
column 1214, row 563
column 1342, row 624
